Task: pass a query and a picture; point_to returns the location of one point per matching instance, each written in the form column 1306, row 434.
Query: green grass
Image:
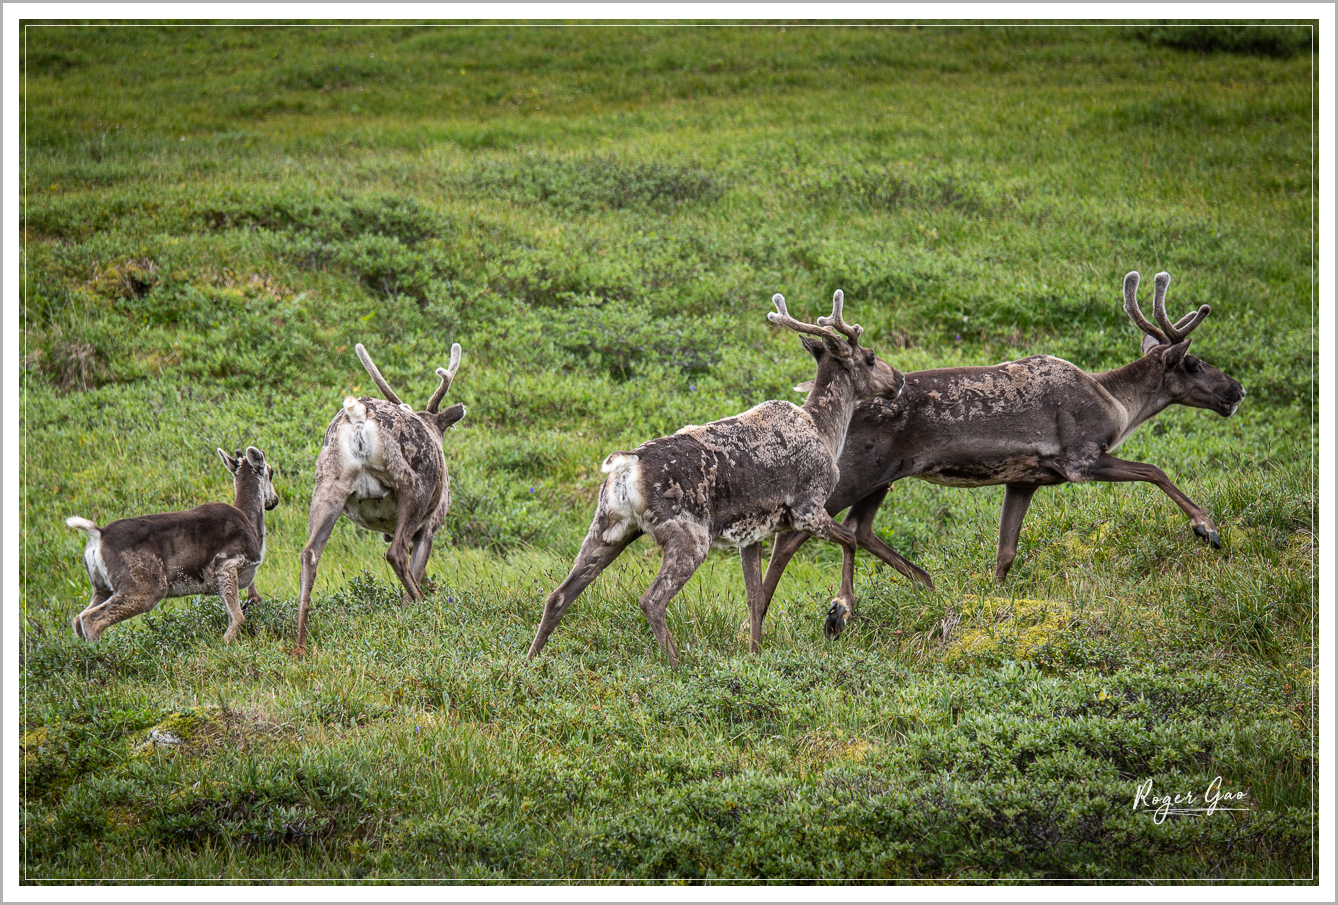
column 214, row 216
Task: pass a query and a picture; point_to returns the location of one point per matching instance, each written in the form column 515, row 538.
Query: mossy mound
column 192, row 729
column 1020, row 628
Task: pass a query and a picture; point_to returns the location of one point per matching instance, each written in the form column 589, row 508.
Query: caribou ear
column 228, row 460
column 450, row 416
column 805, row 387
column 1173, row 354
column 814, row 346
column 839, row 347
column 1149, row 343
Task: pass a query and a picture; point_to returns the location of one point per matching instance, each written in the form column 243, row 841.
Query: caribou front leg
column 1111, row 469
column 751, row 558
column 786, row 546
column 860, row 520
column 252, row 598
column 819, row 524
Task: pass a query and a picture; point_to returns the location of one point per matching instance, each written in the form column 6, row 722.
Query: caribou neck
column 1138, row 388
column 830, row 404
column 248, row 498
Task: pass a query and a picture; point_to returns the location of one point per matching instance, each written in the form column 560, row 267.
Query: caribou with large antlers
column 1024, row 424
column 734, row 482
column 382, row 465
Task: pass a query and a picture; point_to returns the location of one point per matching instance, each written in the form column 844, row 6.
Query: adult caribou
column 730, row 484
column 384, row 467
column 1024, row 424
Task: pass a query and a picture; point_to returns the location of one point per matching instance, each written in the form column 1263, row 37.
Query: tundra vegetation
column 214, row 216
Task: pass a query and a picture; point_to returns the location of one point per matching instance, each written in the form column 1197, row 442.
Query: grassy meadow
column 214, row 216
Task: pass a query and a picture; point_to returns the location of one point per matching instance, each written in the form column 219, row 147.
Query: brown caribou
column 382, row 465
column 1024, row 424
column 133, row 563
column 729, row 484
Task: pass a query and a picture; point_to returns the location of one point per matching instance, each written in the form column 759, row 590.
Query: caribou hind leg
column 129, row 600
column 252, row 598
column 100, row 596
column 419, row 554
column 860, row 520
column 596, row 555
column 327, row 504
column 411, row 512
column 684, row 550
column 1017, row 498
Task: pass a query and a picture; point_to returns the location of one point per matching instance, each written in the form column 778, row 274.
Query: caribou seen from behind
column 734, row 482
column 382, row 465
column 1024, row 424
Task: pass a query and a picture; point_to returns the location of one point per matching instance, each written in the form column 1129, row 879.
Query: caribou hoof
column 836, row 621
column 1208, row 534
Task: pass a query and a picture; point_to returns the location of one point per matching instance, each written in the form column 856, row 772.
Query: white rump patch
column 615, row 459
column 360, row 438
column 622, row 496
column 93, row 562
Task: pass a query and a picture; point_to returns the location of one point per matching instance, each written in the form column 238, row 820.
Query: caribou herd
column 777, row 469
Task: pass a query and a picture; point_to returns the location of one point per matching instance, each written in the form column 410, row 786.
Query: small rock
column 161, row 737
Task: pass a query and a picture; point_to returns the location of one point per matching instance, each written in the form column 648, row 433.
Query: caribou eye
column 1192, row 365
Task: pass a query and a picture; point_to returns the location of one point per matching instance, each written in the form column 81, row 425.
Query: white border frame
column 11, row 35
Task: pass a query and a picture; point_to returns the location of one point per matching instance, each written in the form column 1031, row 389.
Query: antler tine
column 1182, row 328
column 782, row 316
column 852, row 331
column 446, row 374
column 376, row 375
column 1131, row 307
column 1163, row 280
column 1186, row 324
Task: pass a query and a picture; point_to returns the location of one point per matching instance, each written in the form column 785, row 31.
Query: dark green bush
column 1234, row 37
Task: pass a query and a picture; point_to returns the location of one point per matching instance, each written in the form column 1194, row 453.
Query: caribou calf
column 1024, row 424
column 212, row 549
column 382, row 465
column 732, row 483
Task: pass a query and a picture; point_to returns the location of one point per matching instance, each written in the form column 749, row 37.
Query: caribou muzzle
column 1227, row 402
